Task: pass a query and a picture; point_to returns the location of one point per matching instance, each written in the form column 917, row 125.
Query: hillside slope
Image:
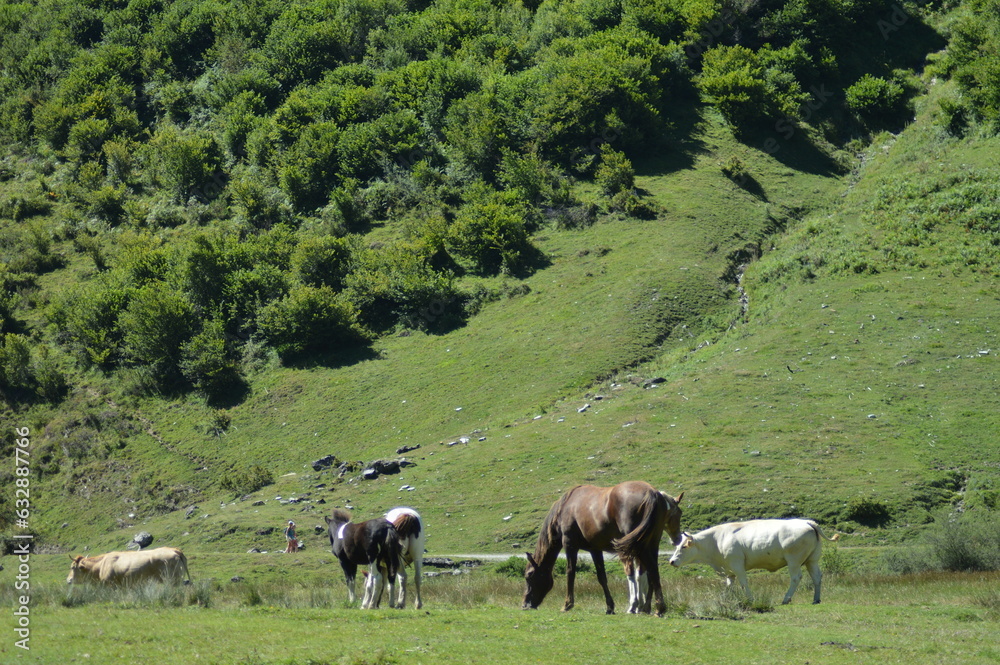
column 791, row 317
column 863, row 400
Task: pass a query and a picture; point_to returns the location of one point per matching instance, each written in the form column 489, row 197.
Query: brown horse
column 627, row 519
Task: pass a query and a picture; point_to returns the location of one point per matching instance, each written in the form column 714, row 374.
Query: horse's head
column 673, row 524
column 539, row 583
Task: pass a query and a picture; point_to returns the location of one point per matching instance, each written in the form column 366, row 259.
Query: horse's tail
column 654, row 509
column 408, row 525
column 409, row 528
column 390, row 555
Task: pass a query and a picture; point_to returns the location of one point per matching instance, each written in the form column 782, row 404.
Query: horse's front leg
column 602, row 577
column 634, row 586
column 373, row 588
column 350, row 578
column 571, row 554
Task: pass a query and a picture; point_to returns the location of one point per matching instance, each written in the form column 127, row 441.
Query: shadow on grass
column 331, row 359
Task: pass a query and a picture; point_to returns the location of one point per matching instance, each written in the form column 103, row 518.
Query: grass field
column 475, row 618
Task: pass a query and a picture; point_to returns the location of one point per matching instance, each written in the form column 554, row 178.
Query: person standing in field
column 293, row 543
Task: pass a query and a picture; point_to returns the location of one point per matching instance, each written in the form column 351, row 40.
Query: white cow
column 734, row 548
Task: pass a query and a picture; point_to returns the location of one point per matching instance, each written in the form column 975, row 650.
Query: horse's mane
column 549, row 534
column 340, row 515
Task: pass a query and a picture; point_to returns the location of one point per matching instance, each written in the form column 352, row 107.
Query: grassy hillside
column 791, row 325
column 861, row 400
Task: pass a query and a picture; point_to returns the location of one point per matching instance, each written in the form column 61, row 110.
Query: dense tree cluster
column 220, row 161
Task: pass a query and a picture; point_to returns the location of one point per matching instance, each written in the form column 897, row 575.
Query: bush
column 734, row 169
column 187, row 164
column 615, row 172
column 867, row 511
column 490, row 233
column 258, row 205
column 970, row 542
column 16, row 371
column 246, row 481
column 322, row 261
column 746, row 92
column 398, row 285
column 628, row 202
column 206, row 362
column 308, row 169
column 157, row 322
column 877, row 100
column 87, row 320
column 311, row 319
column 972, row 56
column 512, row 567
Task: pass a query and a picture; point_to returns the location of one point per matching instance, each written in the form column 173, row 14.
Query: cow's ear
column 530, row 560
column 677, row 499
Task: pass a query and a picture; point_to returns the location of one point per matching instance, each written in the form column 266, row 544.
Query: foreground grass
column 935, row 618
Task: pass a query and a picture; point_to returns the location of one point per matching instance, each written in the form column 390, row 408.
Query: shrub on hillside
column 955, row 542
column 397, row 284
column 156, row 324
column 868, row 511
column 186, row 164
column 877, row 100
column 308, row 168
column 311, row 319
column 87, row 322
column 246, row 481
column 490, row 233
column 512, row 567
column 615, row 172
column 26, row 374
column 322, row 261
column 207, row 363
column 969, row 542
column 974, row 60
column 745, row 90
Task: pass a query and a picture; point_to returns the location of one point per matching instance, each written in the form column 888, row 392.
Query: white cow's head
column 686, row 551
column 76, row 571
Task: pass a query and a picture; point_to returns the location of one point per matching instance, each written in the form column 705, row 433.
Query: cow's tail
column 184, row 566
column 654, row 509
column 819, row 532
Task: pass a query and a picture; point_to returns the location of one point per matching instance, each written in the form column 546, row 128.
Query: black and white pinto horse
column 410, row 528
column 374, row 543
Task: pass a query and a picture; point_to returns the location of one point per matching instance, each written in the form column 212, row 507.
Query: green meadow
column 517, row 247
column 475, row 618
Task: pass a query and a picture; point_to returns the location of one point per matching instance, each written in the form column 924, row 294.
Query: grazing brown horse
column 627, row 519
column 374, row 543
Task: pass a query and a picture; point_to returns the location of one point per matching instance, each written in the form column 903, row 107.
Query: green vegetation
column 582, row 240
column 929, row 618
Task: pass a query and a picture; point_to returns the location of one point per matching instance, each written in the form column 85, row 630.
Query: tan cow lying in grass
column 166, row 564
